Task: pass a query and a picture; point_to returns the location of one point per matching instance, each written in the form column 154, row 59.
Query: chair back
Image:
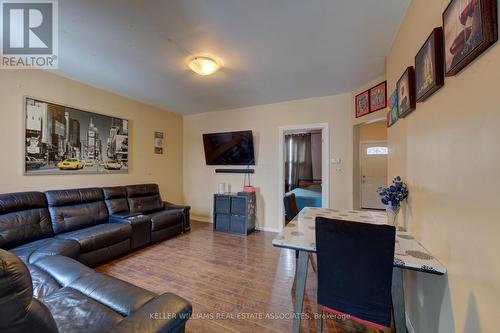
column 21, row 312
column 291, row 209
column 355, row 262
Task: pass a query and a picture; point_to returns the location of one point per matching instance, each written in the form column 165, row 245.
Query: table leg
column 300, row 289
column 296, row 269
column 398, row 300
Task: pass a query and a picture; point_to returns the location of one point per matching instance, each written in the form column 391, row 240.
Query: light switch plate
column 336, row 160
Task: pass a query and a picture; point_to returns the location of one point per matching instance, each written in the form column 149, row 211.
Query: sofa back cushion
column 116, row 199
column 20, row 311
column 76, row 209
column 144, row 198
column 23, row 218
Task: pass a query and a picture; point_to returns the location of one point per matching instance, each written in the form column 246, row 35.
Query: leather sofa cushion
column 43, row 283
column 77, row 313
column 19, row 311
column 51, row 273
column 33, row 251
column 73, row 197
column 114, row 192
column 145, row 204
column 144, row 198
column 63, row 270
column 142, row 190
column 99, row 236
column 76, row 209
column 116, row 199
column 23, row 218
column 116, row 206
column 13, row 202
column 167, row 303
column 166, row 218
column 116, row 294
column 69, row 218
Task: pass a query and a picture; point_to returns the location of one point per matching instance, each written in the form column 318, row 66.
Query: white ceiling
column 270, row 50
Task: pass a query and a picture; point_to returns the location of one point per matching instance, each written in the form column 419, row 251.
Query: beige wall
column 448, row 152
column 373, row 132
column 144, row 121
column 200, row 180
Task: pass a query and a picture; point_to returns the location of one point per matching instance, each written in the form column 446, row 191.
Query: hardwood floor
column 236, row 284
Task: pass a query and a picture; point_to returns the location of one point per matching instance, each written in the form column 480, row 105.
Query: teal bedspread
column 308, row 197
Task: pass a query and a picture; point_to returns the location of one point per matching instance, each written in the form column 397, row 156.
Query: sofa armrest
column 169, row 205
column 164, row 313
column 141, row 228
column 124, row 215
column 185, row 209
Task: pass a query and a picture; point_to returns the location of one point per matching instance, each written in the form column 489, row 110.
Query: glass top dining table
column 409, row 254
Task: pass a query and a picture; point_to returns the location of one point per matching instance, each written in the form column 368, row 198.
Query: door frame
column 360, row 173
column 325, row 170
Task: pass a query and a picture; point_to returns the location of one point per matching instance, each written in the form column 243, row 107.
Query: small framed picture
column 406, row 93
column 390, row 122
column 378, row 97
column 393, row 108
column 159, row 136
column 470, row 27
column 363, row 104
column 429, row 62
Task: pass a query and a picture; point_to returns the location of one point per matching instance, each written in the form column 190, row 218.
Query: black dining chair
column 355, row 262
column 291, row 211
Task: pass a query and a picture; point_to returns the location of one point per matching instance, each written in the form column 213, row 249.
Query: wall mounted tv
column 230, row 148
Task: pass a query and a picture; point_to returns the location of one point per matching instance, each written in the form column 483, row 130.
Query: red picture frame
column 362, row 104
column 378, row 97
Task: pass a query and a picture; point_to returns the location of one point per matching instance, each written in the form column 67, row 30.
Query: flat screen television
column 231, row 148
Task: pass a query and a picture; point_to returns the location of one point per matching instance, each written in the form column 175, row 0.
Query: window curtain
column 298, row 159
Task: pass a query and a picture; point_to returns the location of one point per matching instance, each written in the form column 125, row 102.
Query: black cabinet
column 234, row 213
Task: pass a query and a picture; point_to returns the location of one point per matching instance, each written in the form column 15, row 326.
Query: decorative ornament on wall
column 378, row 97
column 363, row 104
column 406, row 93
column 470, row 27
column 429, row 62
column 393, row 115
column 63, row 140
column 159, row 136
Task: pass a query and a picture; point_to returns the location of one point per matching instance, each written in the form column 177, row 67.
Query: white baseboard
column 267, row 229
column 409, row 325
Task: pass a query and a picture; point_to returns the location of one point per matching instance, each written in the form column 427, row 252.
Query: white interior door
column 373, row 162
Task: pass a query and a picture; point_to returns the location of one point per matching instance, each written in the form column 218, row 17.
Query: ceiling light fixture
column 203, row 65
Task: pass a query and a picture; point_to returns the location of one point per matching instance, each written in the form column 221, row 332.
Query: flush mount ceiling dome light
column 203, row 65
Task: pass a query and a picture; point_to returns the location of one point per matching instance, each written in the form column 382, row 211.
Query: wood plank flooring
column 236, row 284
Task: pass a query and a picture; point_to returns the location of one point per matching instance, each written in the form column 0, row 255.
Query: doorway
column 373, row 166
column 370, row 168
column 303, row 165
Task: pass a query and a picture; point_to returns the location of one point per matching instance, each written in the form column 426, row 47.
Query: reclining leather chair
column 116, row 201
column 167, row 219
column 81, row 215
column 58, row 294
column 26, row 230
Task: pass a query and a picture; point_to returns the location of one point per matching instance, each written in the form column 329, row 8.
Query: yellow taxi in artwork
column 71, row 164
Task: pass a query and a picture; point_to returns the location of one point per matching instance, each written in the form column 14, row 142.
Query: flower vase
column 392, row 215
